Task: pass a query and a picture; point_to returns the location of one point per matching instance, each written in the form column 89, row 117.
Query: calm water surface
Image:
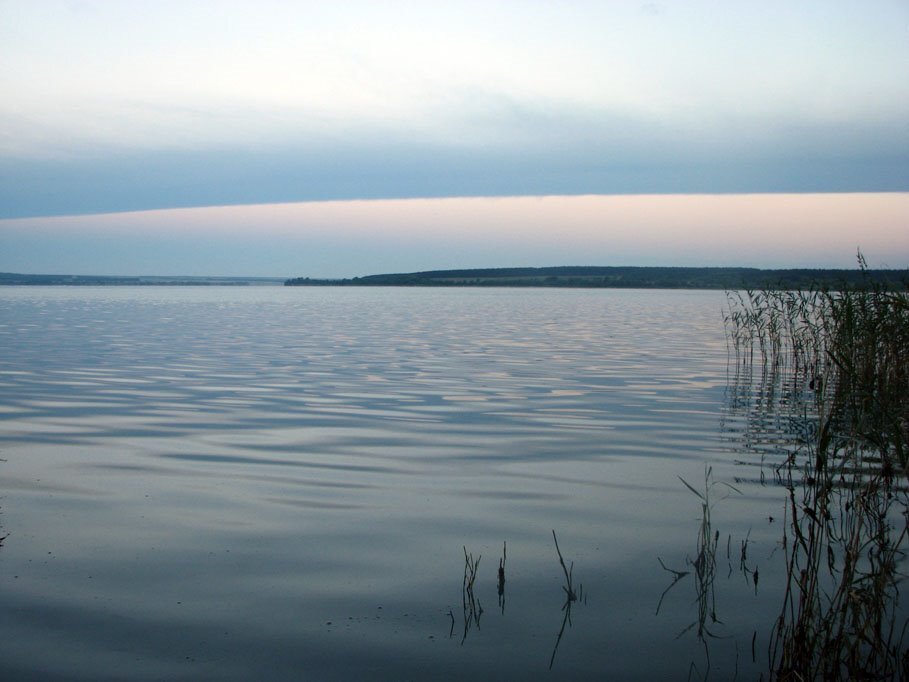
column 278, row 483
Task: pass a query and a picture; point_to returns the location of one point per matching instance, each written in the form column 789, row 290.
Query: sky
column 339, row 139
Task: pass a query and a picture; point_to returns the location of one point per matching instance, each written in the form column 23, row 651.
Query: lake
column 228, row 483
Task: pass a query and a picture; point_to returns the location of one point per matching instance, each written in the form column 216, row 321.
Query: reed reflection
column 572, row 595
column 704, row 569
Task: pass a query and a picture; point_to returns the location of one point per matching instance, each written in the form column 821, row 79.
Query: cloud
column 200, row 103
column 500, row 148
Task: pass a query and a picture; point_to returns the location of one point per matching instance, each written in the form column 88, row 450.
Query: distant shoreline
column 625, row 277
column 566, row 277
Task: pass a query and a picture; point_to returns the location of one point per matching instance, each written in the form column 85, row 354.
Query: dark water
column 275, row 483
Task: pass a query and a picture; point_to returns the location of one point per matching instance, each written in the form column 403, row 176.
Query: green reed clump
column 845, row 354
column 849, row 347
column 869, row 349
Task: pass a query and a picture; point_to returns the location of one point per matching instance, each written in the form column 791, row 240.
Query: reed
column 471, row 607
column 839, row 360
column 571, row 596
column 704, row 563
column 848, row 347
column 500, row 582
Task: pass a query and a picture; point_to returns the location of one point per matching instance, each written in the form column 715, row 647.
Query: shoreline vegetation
column 628, row 277
column 568, row 277
column 834, row 362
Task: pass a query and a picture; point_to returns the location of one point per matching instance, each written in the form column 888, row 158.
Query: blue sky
column 124, row 107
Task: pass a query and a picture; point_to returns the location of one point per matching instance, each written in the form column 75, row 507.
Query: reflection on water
column 572, row 595
column 708, row 626
column 471, row 607
column 500, row 582
column 276, row 483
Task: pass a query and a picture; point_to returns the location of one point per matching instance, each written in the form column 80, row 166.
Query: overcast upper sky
column 130, row 106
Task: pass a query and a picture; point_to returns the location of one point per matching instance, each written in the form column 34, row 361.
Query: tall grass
column 845, row 354
column 849, row 347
